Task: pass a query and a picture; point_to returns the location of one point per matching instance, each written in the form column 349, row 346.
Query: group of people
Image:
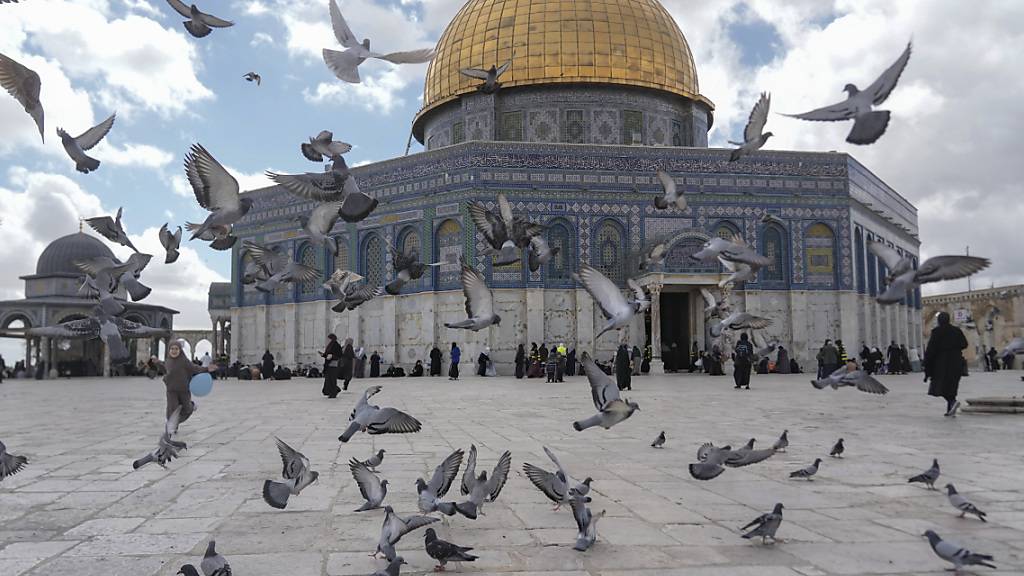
column 896, row 360
column 344, row 362
column 992, row 360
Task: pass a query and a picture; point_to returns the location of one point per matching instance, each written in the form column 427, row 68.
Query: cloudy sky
column 952, row 148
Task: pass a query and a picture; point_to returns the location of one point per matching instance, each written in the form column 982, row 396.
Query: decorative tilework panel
column 449, row 253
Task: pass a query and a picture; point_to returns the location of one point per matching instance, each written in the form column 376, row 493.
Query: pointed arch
column 561, row 237
column 773, row 245
column 448, row 251
column 608, row 253
column 371, row 264
column 820, row 252
column 307, row 256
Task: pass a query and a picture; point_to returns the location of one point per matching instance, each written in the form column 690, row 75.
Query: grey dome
column 59, row 257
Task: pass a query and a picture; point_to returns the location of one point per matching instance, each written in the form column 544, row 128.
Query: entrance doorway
column 675, row 329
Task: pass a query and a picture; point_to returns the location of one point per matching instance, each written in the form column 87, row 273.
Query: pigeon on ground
column 740, row 321
column 479, row 302
column 654, row 256
column 167, row 448
column 253, row 77
column 489, row 76
column 112, row 330
column 753, row 139
column 324, row 146
column 586, row 523
column 807, row 472
column 868, row 124
column 199, row 24
column 372, row 419
column 540, row 252
column 670, row 195
column 709, row 461
column 844, row 376
column 213, row 564
column 76, row 146
column 765, row 525
column 280, row 267
column 373, row 461
column 929, row 476
column 170, row 242
column 957, row 554
column 902, row 277
column 963, row 504
column 496, row 229
column 715, row 307
column 345, row 65
column 838, row 449
column 485, row 490
column 215, row 189
column 336, row 184
column 10, row 464
column 394, row 527
column 297, row 473
column 373, row 489
column 616, row 308
column 111, row 229
column 445, row 552
column 319, row 223
column 746, row 455
column 605, row 392
column 430, row 494
column 393, row 568
column 23, row 84
column 407, row 268
column 659, row 441
column 738, row 273
column 782, row 443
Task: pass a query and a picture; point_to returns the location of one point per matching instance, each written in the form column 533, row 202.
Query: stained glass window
column 575, row 128
column 458, row 133
column 449, row 253
column 373, row 261
column 609, row 251
column 561, row 265
column 307, row 257
column 820, row 251
column 512, row 126
column 632, row 127
column 775, row 250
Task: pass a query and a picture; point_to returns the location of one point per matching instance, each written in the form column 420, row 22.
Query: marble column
column 655, row 290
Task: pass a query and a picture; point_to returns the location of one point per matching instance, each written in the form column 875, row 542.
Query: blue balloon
column 201, row 384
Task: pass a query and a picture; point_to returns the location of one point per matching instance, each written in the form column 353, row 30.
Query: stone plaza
column 79, row 508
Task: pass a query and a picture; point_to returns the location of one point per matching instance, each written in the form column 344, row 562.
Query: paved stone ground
column 80, row 509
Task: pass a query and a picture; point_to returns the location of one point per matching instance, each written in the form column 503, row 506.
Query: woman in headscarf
column 623, row 375
column 179, row 371
column 456, row 356
column 782, row 361
column 332, row 363
column 520, row 361
column 570, row 363
column 435, row 361
column 375, row 365
column 944, row 362
column 360, row 370
column 267, row 370
column 481, row 363
column 645, row 366
column 637, row 358
column 348, row 363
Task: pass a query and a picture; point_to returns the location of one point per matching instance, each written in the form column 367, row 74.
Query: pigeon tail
column 339, row 307
column 197, row 29
column 447, row 508
column 87, row 165
column 357, row 206
column 353, row 427
column 276, row 494
column 582, row 544
column 394, row 287
column 820, row 384
column 507, row 255
column 581, row 425
column 142, row 461
column 868, row 127
column 463, row 324
column 137, row 290
column 224, row 243
column 172, row 256
column 467, row 509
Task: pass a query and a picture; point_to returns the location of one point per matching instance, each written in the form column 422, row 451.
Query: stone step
column 1014, row 401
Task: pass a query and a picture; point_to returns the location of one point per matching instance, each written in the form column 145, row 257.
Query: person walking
column 332, row 362
column 481, row 363
column 645, row 366
column 894, row 359
column 560, row 367
column 551, row 366
column 637, row 358
column 915, row 360
column 348, row 363
column 944, row 362
column 456, row 355
column 178, row 374
column 267, row 370
column 828, row 359
column 360, row 369
column 570, row 363
column 743, row 355
column 843, row 358
column 993, row 359
column 623, row 373
column 520, row 362
column 206, row 360
column 375, row 365
column 435, row 361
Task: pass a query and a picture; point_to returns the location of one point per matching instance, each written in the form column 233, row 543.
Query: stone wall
column 989, row 317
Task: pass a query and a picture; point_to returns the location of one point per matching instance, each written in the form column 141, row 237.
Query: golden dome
column 628, row 42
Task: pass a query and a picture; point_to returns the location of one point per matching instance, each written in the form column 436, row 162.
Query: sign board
column 961, row 315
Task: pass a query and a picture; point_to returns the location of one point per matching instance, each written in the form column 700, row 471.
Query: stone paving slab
column 79, row 508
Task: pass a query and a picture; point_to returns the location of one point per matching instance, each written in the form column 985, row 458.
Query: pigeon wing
column 92, row 136
column 369, row 484
column 499, row 476
column 296, row 272
column 479, row 302
column 758, row 118
column 474, row 73
column 469, row 472
column 24, row 85
column 638, row 291
column 488, row 224
column 341, row 30
column 445, row 474
column 668, row 184
column 214, row 22
column 410, row 523
column 552, row 487
column 502, row 69
column 166, row 239
column 409, row 57
column 505, row 210
column 392, row 421
column 866, row 383
column 602, row 387
column 883, row 86
column 835, row 112
column 180, row 8
column 344, row 65
column 888, row 255
column 271, row 260
column 131, row 329
column 81, row 328
column 309, row 185
column 219, row 188
column 949, row 268
column 294, row 463
column 603, row 291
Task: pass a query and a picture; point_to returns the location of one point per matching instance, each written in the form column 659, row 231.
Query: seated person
column 762, row 366
column 794, row 367
column 282, row 373
column 417, row 370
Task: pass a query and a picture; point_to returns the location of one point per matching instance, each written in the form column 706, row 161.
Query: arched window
column 339, row 261
column 609, row 251
column 726, row 231
column 283, row 292
column 678, row 258
column 775, row 250
column 373, row 261
column 409, row 241
column 307, row 257
column 858, row 257
column 821, row 254
column 562, row 264
column 448, row 240
column 872, row 271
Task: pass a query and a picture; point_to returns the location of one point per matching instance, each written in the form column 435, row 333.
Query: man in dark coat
column 892, row 354
column 332, row 362
column 348, row 363
column 435, row 361
column 375, row 365
column 622, row 370
column 570, row 363
column 267, row 371
column 944, row 362
column 743, row 355
column 520, row 362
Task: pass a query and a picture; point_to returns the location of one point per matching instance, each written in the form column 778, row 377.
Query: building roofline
column 973, row 294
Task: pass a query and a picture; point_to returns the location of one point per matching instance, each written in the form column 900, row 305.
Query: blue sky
column 171, row 90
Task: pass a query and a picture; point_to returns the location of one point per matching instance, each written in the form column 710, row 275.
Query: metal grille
column 820, row 251
column 410, row 240
column 373, row 261
column 678, row 258
column 308, row 258
column 632, row 127
column 560, row 267
column 610, row 253
column 449, row 253
column 458, row 132
column 512, row 126
column 575, row 127
column 775, row 250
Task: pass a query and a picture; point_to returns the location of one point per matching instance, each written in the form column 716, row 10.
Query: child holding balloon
column 179, row 372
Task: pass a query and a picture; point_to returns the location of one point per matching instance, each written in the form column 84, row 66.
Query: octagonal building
column 598, row 97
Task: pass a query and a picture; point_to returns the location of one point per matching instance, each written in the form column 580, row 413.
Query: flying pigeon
column 957, row 554
column 393, row 568
column 902, row 277
column 280, row 267
column 616, row 308
column 765, row 525
column 215, row 189
column 430, row 494
column 337, row 184
column 714, row 306
column 445, row 552
column 659, row 441
column 740, row 321
column 394, row 527
column 110, row 329
column 709, row 461
column 372, row 419
column 343, row 286
column 323, row 146
column 496, row 229
column 110, row 274
column 868, row 124
column 671, row 195
column 373, row 461
column 219, row 236
column 782, row 443
column 482, row 488
column 76, row 146
column 10, row 464
column 253, row 77
column 586, row 523
column 167, row 448
column 24, row 85
column 345, row 65
column 319, row 223
column 605, row 392
column 734, row 250
column 963, row 504
column 753, row 139
column 559, row 487
column 738, row 272
column 373, row 489
column 838, row 449
column 765, row 349
column 170, row 242
column 654, row 256
column 929, row 476
column 213, row 564
column 808, row 471
column 297, row 473
column 540, row 252
column 479, row 302
column 845, row 377
column 746, row 455
column 111, row 229
column 407, row 268
column 199, row 24
column 489, row 76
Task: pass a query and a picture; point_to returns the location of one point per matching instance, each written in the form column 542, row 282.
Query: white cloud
column 261, row 38
column 143, row 6
column 249, row 180
column 132, row 154
column 374, row 94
